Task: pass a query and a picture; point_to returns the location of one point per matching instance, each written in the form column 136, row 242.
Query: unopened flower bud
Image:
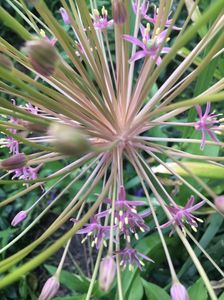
column 219, row 203
column 43, row 56
column 65, row 16
column 5, row 62
column 178, row 292
column 107, row 272
column 14, row 162
column 119, row 12
column 69, row 140
column 20, row 217
column 33, row 127
column 50, row 289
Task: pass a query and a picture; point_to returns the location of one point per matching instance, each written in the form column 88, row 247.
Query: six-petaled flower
column 126, row 216
column 143, row 7
column 101, row 22
column 150, row 45
column 98, row 233
column 131, row 257
column 207, row 124
column 182, row 215
column 154, row 20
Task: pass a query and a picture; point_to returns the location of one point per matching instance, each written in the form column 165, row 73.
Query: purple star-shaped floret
column 154, row 19
column 182, row 215
column 150, row 46
column 126, row 216
column 26, row 173
column 97, row 232
column 143, row 7
column 100, row 22
column 130, row 256
column 207, row 123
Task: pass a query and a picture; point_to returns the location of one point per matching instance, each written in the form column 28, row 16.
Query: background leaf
column 198, row 291
column 154, row 292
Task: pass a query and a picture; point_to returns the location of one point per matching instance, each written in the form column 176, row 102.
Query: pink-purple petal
column 133, row 40
column 138, row 55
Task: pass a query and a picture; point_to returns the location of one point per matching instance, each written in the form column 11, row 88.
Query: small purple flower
column 150, row 46
column 96, row 231
column 130, row 256
column 32, row 108
column 65, row 16
column 155, row 18
column 100, row 22
column 207, row 124
column 143, row 7
column 126, row 216
column 26, row 173
column 178, row 292
column 184, row 214
column 20, row 217
column 11, row 143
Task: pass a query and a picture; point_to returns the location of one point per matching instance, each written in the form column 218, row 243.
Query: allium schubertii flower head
column 100, row 94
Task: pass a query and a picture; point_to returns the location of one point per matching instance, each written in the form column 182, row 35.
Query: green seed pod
column 43, row 56
column 33, row 127
column 14, row 162
column 69, row 140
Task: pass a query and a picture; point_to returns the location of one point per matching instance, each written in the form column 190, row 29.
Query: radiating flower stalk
column 80, row 101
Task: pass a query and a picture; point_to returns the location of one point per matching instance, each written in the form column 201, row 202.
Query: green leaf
column 197, row 168
column 198, row 291
column 72, row 281
column 154, row 292
column 195, row 16
column 136, row 292
column 215, row 222
column 222, row 296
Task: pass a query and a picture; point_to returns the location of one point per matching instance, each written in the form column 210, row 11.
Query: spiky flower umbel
column 92, row 97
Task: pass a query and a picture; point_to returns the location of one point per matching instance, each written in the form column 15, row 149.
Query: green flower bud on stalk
column 69, row 140
column 43, row 56
column 14, row 162
column 33, row 127
column 119, row 12
column 5, row 62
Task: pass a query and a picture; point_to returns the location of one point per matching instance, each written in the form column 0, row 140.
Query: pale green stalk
column 183, row 239
column 132, row 65
column 94, row 275
column 205, row 253
column 140, row 172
